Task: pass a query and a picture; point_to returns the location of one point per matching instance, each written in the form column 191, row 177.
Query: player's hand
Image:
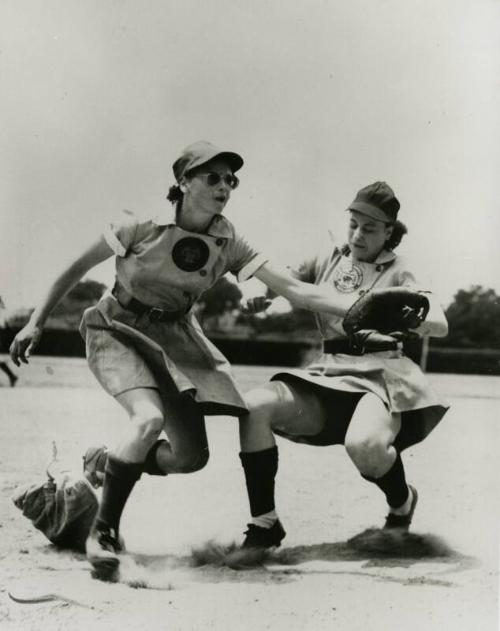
column 24, row 343
column 255, row 305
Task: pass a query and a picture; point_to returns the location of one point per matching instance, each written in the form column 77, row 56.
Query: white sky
column 321, row 97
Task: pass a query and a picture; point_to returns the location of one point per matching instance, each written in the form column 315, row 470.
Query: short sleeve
column 123, row 231
column 243, row 259
column 404, row 277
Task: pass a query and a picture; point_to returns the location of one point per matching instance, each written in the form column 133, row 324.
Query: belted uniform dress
column 390, row 375
column 167, row 268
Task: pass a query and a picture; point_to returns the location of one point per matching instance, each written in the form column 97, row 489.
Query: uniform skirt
column 127, row 351
column 390, row 375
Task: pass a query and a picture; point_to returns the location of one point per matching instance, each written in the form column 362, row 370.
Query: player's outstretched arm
column 28, row 337
column 303, row 295
column 257, row 304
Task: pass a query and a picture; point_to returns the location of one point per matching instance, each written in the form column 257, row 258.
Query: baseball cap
column 378, row 201
column 199, row 153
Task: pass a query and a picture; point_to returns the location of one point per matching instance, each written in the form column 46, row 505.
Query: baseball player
column 4, row 365
column 363, row 392
column 144, row 345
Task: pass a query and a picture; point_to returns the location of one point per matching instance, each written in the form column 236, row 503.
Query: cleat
column 103, row 548
column 402, row 522
column 94, row 464
column 258, row 537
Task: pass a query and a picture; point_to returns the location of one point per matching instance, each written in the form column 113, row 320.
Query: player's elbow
column 435, row 328
column 440, row 329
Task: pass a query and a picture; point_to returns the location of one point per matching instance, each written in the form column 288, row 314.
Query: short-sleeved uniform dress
column 165, row 266
column 390, row 375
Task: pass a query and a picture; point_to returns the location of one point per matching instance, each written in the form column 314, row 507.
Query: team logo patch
column 190, row 254
column 348, row 279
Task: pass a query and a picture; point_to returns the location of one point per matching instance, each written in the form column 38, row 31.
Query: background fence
column 276, row 352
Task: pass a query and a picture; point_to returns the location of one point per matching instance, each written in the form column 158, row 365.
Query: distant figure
column 4, row 364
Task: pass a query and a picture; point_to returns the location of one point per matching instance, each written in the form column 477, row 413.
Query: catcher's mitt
column 387, row 310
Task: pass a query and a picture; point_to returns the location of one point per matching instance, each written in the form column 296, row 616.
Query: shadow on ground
column 374, row 546
column 379, row 554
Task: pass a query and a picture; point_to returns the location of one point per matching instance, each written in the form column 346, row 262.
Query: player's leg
column 369, row 442
column 123, row 468
column 292, row 410
column 185, row 451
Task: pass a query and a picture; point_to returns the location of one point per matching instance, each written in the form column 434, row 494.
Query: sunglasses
column 212, row 179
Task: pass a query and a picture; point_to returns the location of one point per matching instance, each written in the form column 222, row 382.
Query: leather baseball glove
column 389, row 310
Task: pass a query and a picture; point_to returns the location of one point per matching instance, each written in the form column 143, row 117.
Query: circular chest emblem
column 190, row 254
column 348, row 279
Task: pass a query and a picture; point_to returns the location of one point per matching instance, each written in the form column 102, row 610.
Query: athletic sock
column 150, row 465
column 119, row 480
column 393, row 484
column 405, row 508
column 260, row 469
column 266, row 520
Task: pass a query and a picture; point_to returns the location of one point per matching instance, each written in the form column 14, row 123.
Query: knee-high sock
column 260, row 469
column 119, row 480
column 393, row 484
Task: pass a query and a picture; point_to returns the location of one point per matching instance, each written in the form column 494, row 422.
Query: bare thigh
column 184, row 425
column 290, row 408
column 373, row 423
column 178, row 417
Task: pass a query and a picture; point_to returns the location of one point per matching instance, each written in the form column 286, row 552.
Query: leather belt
column 347, row 347
column 155, row 314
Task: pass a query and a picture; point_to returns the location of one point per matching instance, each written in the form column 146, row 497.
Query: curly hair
column 175, row 194
column 398, row 232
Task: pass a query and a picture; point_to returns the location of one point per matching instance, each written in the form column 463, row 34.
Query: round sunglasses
column 212, row 179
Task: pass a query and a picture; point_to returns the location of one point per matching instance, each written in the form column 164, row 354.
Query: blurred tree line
column 473, row 315
column 474, row 319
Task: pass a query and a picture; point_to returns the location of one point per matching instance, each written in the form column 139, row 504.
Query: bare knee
column 190, row 460
column 147, row 428
column 370, row 454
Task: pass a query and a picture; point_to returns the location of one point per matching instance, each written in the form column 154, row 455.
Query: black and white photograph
column 249, row 315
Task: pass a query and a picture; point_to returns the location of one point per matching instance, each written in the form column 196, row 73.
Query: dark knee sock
column 393, row 484
column 260, row 469
column 119, row 480
column 150, row 465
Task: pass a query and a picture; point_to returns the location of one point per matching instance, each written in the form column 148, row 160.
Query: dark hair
column 398, row 232
column 175, row 194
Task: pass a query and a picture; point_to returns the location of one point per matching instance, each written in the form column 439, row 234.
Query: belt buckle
column 356, row 349
column 156, row 314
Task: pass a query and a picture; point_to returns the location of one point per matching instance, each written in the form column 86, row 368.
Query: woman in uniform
column 143, row 344
column 374, row 402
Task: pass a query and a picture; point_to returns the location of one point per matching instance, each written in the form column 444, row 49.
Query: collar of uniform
column 386, row 256
column 218, row 227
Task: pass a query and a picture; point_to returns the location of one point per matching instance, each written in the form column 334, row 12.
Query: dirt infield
column 335, row 570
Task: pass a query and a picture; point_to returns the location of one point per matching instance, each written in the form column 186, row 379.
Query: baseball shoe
column 402, row 522
column 258, row 537
column 103, row 548
column 94, row 464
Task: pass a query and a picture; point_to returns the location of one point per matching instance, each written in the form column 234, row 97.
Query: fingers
column 18, row 353
column 255, row 305
column 20, row 350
